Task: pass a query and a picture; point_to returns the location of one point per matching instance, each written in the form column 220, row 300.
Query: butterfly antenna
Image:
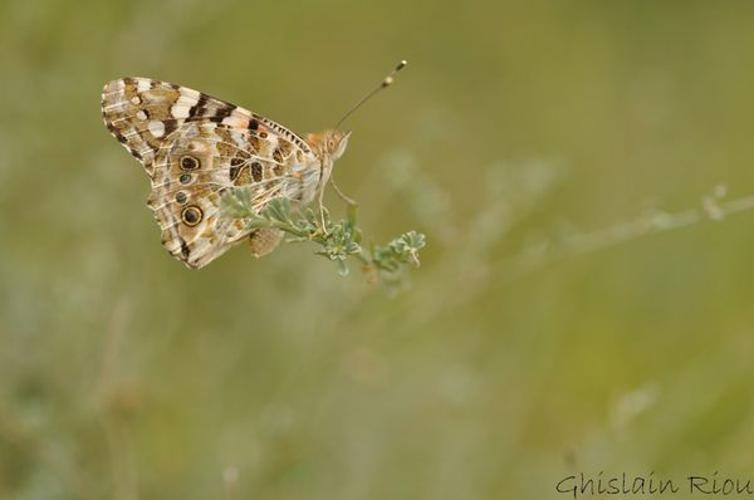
column 388, row 81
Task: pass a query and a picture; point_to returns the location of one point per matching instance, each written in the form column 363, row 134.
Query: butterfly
column 195, row 148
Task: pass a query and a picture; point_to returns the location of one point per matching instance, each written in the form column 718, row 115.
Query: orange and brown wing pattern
column 194, row 147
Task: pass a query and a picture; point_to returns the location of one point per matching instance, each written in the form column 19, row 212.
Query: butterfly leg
column 320, row 201
column 349, row 201
column 352, row 204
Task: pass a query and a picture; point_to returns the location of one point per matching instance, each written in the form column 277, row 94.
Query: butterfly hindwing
column 194, row 147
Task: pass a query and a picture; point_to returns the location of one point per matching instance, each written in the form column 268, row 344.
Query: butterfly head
column 330, row 144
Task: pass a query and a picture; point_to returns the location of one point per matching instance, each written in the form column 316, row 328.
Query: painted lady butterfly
column 195, row 147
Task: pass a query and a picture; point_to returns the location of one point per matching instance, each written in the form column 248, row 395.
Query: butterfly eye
column 189, row 163
column 191, row 215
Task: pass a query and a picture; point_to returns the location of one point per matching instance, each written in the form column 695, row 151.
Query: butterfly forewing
column 194, row 147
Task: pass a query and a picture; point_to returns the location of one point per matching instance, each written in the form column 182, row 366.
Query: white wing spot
column 236, row 120
column 190, row 93
column 156, row 128
column 187, row 100
column 135, row 100
column 143, row 85
column 141, row 115
column 180, row 111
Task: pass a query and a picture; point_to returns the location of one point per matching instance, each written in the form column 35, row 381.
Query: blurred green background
column 513, row 358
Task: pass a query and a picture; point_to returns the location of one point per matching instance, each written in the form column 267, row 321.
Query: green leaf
column 336, row 241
